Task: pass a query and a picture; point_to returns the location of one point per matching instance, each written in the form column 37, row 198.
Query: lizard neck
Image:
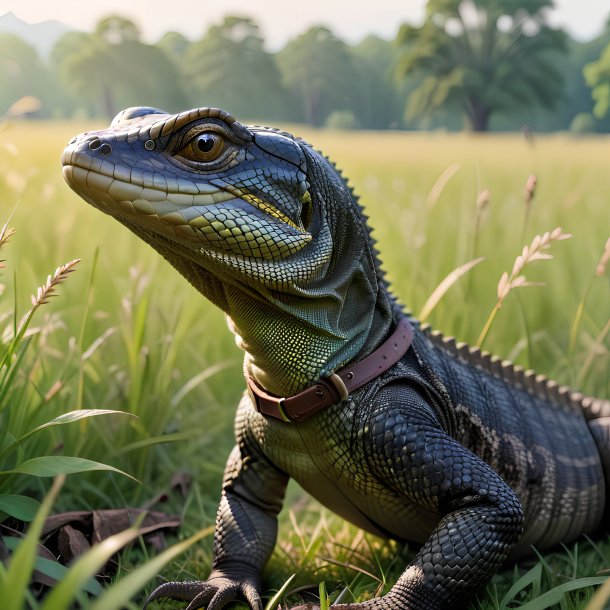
column 289, row 346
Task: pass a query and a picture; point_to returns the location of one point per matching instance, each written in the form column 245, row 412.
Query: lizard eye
column 206, row 147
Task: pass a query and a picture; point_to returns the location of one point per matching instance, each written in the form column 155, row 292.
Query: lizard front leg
column 480, row 516
column 246, row 531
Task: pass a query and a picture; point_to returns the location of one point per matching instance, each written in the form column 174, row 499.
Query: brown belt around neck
column 328, row 391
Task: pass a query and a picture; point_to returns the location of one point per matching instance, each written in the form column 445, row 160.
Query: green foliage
column 116, row 30
column 21, row 72
column 582, row 123
column 597, row 75
column 111, row 69
column 229, row 68
column 482, row 56
column 557, row 595
column 342, row 119
column 175, row 46
column 320, row 72
column 528, row 83
column 20, row 459
column 381, row 97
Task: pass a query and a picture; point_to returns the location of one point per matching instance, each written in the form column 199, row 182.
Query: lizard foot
column 212, row 594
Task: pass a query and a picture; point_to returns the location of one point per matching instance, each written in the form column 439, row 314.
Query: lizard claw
column 212, row 594
column 183, row 591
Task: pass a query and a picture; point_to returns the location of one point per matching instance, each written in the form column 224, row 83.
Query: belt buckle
column 338, row 385
column 281, row 404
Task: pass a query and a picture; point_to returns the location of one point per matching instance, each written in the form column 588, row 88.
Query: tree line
column 479, row 64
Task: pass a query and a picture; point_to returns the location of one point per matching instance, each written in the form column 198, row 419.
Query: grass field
column 127, row 333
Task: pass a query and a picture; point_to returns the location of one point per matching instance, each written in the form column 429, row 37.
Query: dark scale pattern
column 481, row 517
column 452, row 449
column 544, row 451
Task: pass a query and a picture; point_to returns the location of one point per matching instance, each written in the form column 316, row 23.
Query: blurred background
column 445, row 64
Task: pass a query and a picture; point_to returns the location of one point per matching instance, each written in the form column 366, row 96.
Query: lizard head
column 257, row 220
column 198, row 181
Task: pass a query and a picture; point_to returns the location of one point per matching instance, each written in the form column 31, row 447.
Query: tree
column 86, row 67
column 21, row 72
column 597, row 75
column 229, row 68
column 319, row 70
column 111, row 69
column 381, row 99
column 175, row 46
column 483, row 56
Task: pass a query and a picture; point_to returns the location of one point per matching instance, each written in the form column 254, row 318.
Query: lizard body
column 473, row 458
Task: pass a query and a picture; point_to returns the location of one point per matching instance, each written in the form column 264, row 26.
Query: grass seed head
column 47, row 290
column 604, row 260
column 5, row 234
column 483, row 199
column 530, row 189
column 536, row 251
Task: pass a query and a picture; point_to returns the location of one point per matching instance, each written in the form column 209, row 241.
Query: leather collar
column 328, row 391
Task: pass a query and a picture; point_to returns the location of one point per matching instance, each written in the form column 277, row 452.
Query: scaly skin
column 470, row 457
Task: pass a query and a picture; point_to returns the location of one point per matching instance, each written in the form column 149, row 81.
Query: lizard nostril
column 106, row 149
column 96, row 143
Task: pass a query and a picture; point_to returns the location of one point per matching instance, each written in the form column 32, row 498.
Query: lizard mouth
column 226, row 219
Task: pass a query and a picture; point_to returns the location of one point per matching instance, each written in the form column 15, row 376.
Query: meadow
column 126, row 332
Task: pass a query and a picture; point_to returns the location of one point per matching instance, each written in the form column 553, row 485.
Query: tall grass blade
column 531, row 577
column 482, row 203
column 323, row 596
column 23, row 508
column 275, row 600
column 557, row 594
column 65, row 418
column 601, row 598
column 123, row 590
column 600, row 270
column 173, row 437
column 350, row 566
column 441, row 182
column 83, row 327
column 53, row 465
column 444, row 286
column 192, row 383
column 14, row 582
column 593, row 352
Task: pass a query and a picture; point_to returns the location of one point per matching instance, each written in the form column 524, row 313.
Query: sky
column 280, row 20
